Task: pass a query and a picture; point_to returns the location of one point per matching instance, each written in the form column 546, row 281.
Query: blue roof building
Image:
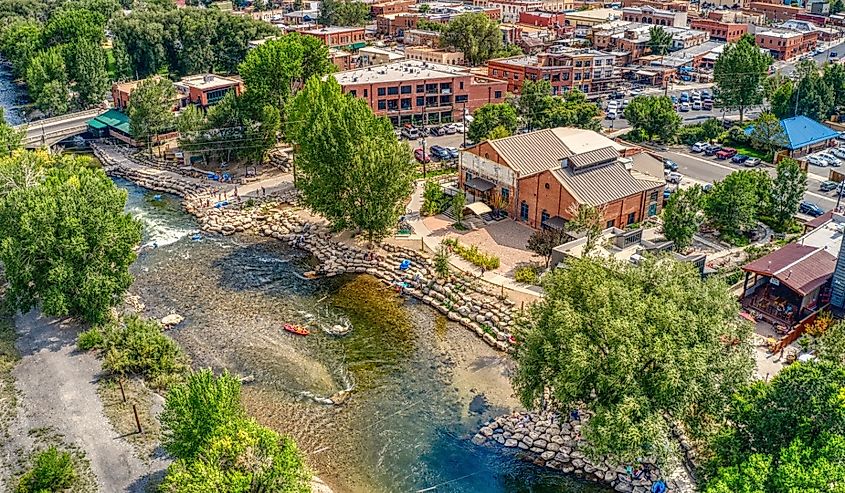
column 803, row 135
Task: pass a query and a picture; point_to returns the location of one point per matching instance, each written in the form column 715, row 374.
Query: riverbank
column 460, row 298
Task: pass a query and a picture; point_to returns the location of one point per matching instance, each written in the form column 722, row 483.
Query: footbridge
column 50, row 131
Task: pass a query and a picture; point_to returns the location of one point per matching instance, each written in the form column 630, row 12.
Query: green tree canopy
column 659, row 40
column 490, row 117
column 150, row 109
column 19, row 43
column 10, row 138
column 788, row 189
column 683, row 215
column 834, row 75
column 653, row 115
column 739, row 73
column 343, row 13
column 814, row 96
column 67, row 26
column 66, row 242
column 88, row 69
column 47, row 80
column 350, row 167
column 785, row 436
column 540, row 109
column 474, row 34
column 768, row 134
column 631, row 344
column 734, row 204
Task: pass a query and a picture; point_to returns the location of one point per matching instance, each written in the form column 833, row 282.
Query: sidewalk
column 525, row 293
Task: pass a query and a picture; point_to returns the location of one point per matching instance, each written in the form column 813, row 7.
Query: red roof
column 818, row 221
column 801, row 268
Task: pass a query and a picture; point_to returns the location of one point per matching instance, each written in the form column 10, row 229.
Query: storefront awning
column 480, row 184
column 478, row 208
column 646, row 73
column 358, row 45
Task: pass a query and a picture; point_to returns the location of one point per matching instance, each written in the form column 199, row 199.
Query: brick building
column 786, row 45
column 775, row 12
column 339, row 37
column 418, row 37
column 395, row 25
column 205, row 90
column 391, row 7
column 411, row 90
column 723, row 31
column 671, row 5
column 434, row 55
column 538, row 18
column 543, row 174
column 510, row 9
column 651, row 15
column 584, row 69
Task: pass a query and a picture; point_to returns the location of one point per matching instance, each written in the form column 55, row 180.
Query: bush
column 441, row 262
column 137, row 346
column 52, row 470
column 434, row 200
column 528, row 274
column 472, row 254
column 90, row 339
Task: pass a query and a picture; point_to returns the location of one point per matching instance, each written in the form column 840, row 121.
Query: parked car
column 421, row 156
column 810, row 209
column 817, row 161
column 831, row 160
column 696, row 105
column 453, row 152
column 739, row 158
column 752, row 162
column 410, row 132
column 707, row 104
column 398, row 133
column 712, row 149
column 670, row 165
column 707, row 187
column 667, row 192
column 833, row 55
column 460, row 127
column 685, row 106
column 674, row 177
column 684, row 97
column 450, row 129
column 828, row 185
column 726, row 153
column 611, row 115
column 439, row 152
column 838, row 152
column 436, row 130
column 674, row 99
column 698, row 147
column 705, row 94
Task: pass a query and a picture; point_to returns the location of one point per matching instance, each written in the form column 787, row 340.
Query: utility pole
column 464, row 119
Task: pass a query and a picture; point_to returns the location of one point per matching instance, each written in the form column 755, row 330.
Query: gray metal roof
column 531, row 153
column 585, row 159
column 602, row 184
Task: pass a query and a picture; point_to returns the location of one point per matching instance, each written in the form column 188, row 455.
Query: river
column 419, row 385
column 11, row 95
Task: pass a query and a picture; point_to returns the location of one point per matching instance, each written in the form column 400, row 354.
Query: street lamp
column 422, row 143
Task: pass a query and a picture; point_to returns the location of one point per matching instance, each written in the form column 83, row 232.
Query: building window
column 598, row 63
column 444, row 100
column 506, row 195
column 653, row 196
column 420, row 101
column 392, row 91
column 420, row 88
column 523, row 211
column 430, row 88
column 392, row 104
column 632, row 218
column 382, row 91
column 462, row 98
column 354, row 93
column 405, row 103
column 382, row 104
column 497, row 94
column 406, row 89
column 611, row 223
column 365, row 93
column 468, row 176
column 461, row 85
column 544, row 217
column 515, row 76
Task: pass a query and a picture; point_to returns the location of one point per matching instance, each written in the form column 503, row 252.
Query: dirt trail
column 58, row 390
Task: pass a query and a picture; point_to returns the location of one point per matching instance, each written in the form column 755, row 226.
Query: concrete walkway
column 57, row 387
column 523, row 292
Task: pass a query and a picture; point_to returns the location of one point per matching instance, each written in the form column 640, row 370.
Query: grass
column 83, row 480
column 122, row 418
column 751, row 152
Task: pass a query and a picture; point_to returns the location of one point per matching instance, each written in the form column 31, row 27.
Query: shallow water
column 11, row 95
column 420, row 385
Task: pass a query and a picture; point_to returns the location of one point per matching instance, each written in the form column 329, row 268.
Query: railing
column 61, row 118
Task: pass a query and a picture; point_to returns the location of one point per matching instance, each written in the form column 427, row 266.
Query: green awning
column 111, row 119
column 97, row 124
column 358, row 45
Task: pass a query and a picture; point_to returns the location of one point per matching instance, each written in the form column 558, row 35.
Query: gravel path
column 58, row 390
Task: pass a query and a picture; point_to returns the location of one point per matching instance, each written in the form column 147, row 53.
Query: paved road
column 708, row 169
column 835, row 46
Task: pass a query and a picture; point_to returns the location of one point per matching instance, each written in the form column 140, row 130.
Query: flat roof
column 333, row 30
column 208, row 81
column 399, row 71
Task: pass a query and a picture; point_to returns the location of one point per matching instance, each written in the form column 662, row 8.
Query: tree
column 433, row 198
column 834, row 75
column 739, row 73
column 47, row 80
column 459, row 201
column 19, row 43
column 788, row 190
column 659, row 40
column 813, row 97
column 653, row 115
column 786, row 435
column 543, row 241
column 768, row 134
column 573, row 109
column 836, row 6
column 350, row 167
column 150, row 109
column 343, row 13
column 735, row 202
column 633, row 344
column 781, row 100
column 67, row 26
column 66, row 242
column 195, row 410
column 589, row 220
column 683, row 215
column 534, row 101
column 191, row 120
column 830, row 346
column 490, row 116
column 10, row 137
column 89, row 70
column 424, row 8
column 475, row 34
column 277, row 69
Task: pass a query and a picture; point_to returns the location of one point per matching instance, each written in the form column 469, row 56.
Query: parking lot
column 819, row 163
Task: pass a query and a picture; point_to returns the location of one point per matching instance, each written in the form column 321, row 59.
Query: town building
column 544, row 175
column 804, row 136
column 775, row 12
column 651, row 15
column 539, row 18
column 579, row 68
column 391, row 7
column 722, row 31
column 205, row 90
column 415, row 91
column 418, row 37
column 434, row 55
column 631, row 40
column 737, row 17
column 671, row 5
column 339, row 37
column 371, row 55
column 509, row 10
column 588, row 18
column 786, row 45
column 395, row 25
column 341, row 59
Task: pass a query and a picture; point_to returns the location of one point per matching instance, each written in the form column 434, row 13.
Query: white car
column 611, row 114
column 460, row 127
column 838, row 152
column 674, row 177
column 612, row 106
column 816, row 161
column 831, row 160
column 698, row 147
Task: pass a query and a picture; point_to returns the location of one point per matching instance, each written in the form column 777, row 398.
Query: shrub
column 434, row 200
column 52, row 470
column 441, row 262
column 528, row 274
column 472, row 254
column 90, row 339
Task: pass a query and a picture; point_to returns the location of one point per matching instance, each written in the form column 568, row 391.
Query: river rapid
column 416, row 386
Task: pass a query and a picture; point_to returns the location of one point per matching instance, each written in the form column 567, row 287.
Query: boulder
column 172, row 320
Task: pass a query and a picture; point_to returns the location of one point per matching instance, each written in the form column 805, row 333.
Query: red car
column 421, row 157
column 726, row 153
